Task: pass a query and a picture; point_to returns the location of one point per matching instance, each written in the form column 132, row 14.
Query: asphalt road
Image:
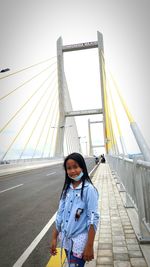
column 28, row 200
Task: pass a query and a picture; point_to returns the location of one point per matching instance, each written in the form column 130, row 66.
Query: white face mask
column 77, row 178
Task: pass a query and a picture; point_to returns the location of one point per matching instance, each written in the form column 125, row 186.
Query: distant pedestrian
column 102, row 159
column 77, row 216
column 96, row 160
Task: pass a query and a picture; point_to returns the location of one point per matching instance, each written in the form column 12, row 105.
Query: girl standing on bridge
column 77, row 216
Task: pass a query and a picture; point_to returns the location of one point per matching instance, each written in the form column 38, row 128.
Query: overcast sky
column 29, row 30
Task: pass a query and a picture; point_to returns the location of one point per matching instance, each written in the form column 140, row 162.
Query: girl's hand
column 88, row 253
column 53, row 249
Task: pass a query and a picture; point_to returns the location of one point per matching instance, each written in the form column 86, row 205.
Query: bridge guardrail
column 135, row 177
column 27, row 162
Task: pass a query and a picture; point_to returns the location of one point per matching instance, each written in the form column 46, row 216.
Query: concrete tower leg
column 100, row 51
column 59, row 151
column 90, row 139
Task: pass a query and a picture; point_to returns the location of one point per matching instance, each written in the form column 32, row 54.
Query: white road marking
column 34, row 243
column 10, row 188
column 48, row 174
column 92, row 170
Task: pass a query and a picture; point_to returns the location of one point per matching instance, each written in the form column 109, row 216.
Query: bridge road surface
column 28, row 200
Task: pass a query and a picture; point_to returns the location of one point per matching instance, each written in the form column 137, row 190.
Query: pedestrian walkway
column 115, row 242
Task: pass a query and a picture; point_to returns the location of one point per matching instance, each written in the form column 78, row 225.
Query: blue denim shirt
column 65, row 218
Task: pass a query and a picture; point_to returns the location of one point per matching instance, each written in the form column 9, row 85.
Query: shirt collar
column 80, row 185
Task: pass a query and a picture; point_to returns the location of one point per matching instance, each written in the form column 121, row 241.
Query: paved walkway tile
column 120, row 249
column 121, row 256
column 115, row 242
column 132, row 241
column 104, row 260
column 122, row 264
column 104, row 252
column 138, row 262
column 119, row 243
column 135, row 254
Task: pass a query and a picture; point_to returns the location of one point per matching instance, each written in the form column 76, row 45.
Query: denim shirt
column 66, row 221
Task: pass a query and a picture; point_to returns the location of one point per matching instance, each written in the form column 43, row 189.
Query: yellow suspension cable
column 113, row 136
column 24, row 124
column 107, row 130
column 37, row 121
column 27, row 68
column 112, row 102
column 45, row 121
column 3, row 97
column 117, row 121
column 50, row 125
column 25, row 103
column 111, row 139
column 130, row 117
column 109, row 133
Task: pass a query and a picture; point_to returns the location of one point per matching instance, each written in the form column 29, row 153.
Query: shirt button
column 66, row 221
column 71, row 201
column 68, row 211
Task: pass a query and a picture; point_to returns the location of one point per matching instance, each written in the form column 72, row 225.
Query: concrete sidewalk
column 115, row 242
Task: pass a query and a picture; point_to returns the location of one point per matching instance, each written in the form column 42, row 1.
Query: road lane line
column 48, row 174
column 10, row 188
column 34, row 243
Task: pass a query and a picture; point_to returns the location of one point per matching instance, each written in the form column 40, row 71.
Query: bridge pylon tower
column 61, row 89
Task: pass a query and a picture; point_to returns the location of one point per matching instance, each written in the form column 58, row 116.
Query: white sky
column 29, row 30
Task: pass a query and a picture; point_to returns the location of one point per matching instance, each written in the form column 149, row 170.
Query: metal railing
column 27, row 162
column 134, row 175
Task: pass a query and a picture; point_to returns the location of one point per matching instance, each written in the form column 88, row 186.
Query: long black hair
column 80, row 160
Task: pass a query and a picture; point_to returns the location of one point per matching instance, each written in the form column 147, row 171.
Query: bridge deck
column 115, row 243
